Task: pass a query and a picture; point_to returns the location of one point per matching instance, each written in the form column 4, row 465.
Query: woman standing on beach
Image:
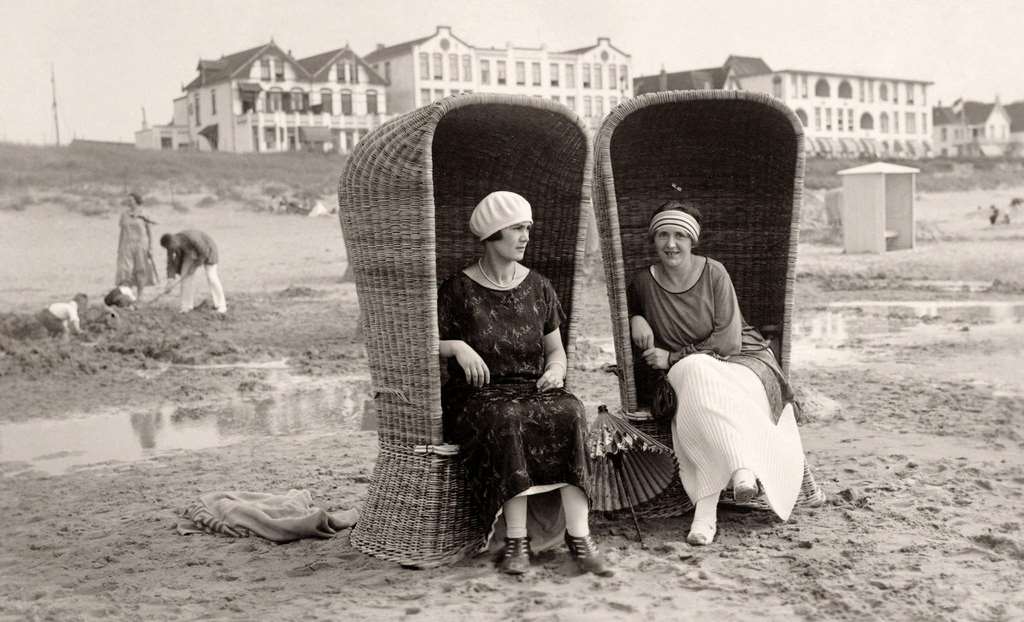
column 733, row 420
column 135, row 265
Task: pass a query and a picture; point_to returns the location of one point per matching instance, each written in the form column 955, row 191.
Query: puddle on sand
column 295, row 405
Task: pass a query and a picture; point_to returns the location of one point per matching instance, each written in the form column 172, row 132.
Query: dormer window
column 339, row 69
column 265, row 69
column 279, row 70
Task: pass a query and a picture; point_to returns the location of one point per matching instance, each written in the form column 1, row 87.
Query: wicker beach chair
column 405, row 198
column 740, row 156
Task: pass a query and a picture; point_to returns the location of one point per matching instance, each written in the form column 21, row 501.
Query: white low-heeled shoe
column 744, row 486
column 702, row 533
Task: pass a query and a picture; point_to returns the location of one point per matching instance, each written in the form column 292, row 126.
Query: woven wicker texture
column 739, row 156
column 404, row 199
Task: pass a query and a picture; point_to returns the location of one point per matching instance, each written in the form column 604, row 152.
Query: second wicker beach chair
column 740, row 156
column 405, row 198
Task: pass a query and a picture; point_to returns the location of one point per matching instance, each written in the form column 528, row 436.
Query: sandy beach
column 908, row 366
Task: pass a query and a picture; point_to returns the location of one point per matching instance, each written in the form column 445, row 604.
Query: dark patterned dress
column 511, row 435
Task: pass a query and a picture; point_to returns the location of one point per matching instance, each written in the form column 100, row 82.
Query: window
column 803, row 87
column 196, row 98
column 924, row 122
column 910, row 93
column 346, row 103
column 553, row 70
column 849, row 120
column 438, row 66
column 828, row 119
column 438, row 94
column 585, row 77
column 871, row 91
column 598, row 76
column 520, row 73
column 800, row 114
column 612, row 103
column 794, row 85
column 777, row 86
column 817, row 119
column 613, row 82
column 424, row 97
column 274, row 100
column 279, row 70
column 821, row 88
column 326, row 101
column 845, row 90
column 911, row 123
column 355, row 71
column 599, row 107
column 587, row 109
column 387, row 70
column 340, row 70
column 895, row 123
column 895, row 93
column 467, row 68
column 883, row 92
column 570, row 102
column 213, row 102
column 453, row 67
column 943, row 134
column 556, row 98
column 535, row 73
column 485, row 72
column 502, row 77
column 867, row 122
column 265, row 69
column 570, row 76
column 286, row 102
column 624, row 75
column 371, row 102
column 861, row 90
column 424, row 66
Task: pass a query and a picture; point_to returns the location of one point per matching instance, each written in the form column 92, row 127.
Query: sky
column 114, row 58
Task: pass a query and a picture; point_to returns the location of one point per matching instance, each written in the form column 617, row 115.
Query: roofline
column 849, row 75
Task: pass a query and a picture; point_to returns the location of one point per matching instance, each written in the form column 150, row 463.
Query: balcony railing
column 310, row 119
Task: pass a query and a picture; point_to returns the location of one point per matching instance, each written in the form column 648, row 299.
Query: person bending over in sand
column 186, row 252
column 521, row 435
column 62, row 318
column 732, row 420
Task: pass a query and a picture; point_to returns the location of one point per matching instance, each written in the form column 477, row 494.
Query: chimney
column 663, row 80
column 380, row 46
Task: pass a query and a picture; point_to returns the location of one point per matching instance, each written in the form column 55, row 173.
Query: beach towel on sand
column 278, row 518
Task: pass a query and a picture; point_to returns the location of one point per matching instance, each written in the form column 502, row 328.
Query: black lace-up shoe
column 588, row 558
column 515, row 557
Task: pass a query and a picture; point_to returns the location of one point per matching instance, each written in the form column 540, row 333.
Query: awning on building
column 851, row 146
column 870, row 146
column 210, row 133
column 911, row 148
column 810, row 148
column 897, row 146
column 991, row 151
column 249, row 87
column 824, row 146
column 315, row 134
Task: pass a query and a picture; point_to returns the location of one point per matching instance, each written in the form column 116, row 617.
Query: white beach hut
column 878, row 207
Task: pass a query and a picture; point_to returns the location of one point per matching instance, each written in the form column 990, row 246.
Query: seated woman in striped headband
column 732, row 422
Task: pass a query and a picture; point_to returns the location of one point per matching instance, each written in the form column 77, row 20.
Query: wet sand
column 916, row 410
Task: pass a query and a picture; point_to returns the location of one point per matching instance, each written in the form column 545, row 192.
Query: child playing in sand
column 121, row 296
column 60, row 318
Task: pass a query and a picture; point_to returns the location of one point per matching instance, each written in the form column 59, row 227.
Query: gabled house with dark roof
column 1016, row 112
column 590, row 80
column 265, row 100
column 972, row 129
column 843, row 115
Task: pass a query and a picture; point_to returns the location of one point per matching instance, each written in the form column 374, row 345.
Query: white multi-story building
column 264, row 100
column 844, row 115
column 590, row 80
column 972, row 129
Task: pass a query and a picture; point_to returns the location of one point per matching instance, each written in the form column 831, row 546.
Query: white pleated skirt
column 723, row 423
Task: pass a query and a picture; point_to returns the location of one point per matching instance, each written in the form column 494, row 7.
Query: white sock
column 577, row 511
column 515, row 517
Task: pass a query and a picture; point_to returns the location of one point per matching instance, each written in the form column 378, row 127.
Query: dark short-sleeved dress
column 512, row 437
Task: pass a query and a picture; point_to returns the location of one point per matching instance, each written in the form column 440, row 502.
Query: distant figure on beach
column 62, row 318
column 135, row 265
column 993, row 214
column 121, row 296
column 186, row 252
column 730, row 406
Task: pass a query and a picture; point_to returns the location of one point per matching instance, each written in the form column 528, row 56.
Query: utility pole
column 53, row 85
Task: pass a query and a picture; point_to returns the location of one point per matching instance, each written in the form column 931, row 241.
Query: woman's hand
column 643, row 336
column 472, row 365
column 553, row 378
column 656, row 358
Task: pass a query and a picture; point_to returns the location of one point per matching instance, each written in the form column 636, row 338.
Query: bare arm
column 555, row 362
column 477, row 373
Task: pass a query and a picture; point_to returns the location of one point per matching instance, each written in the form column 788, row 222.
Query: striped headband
column 677, row 219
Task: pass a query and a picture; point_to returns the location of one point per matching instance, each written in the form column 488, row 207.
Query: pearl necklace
column 515, row 271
